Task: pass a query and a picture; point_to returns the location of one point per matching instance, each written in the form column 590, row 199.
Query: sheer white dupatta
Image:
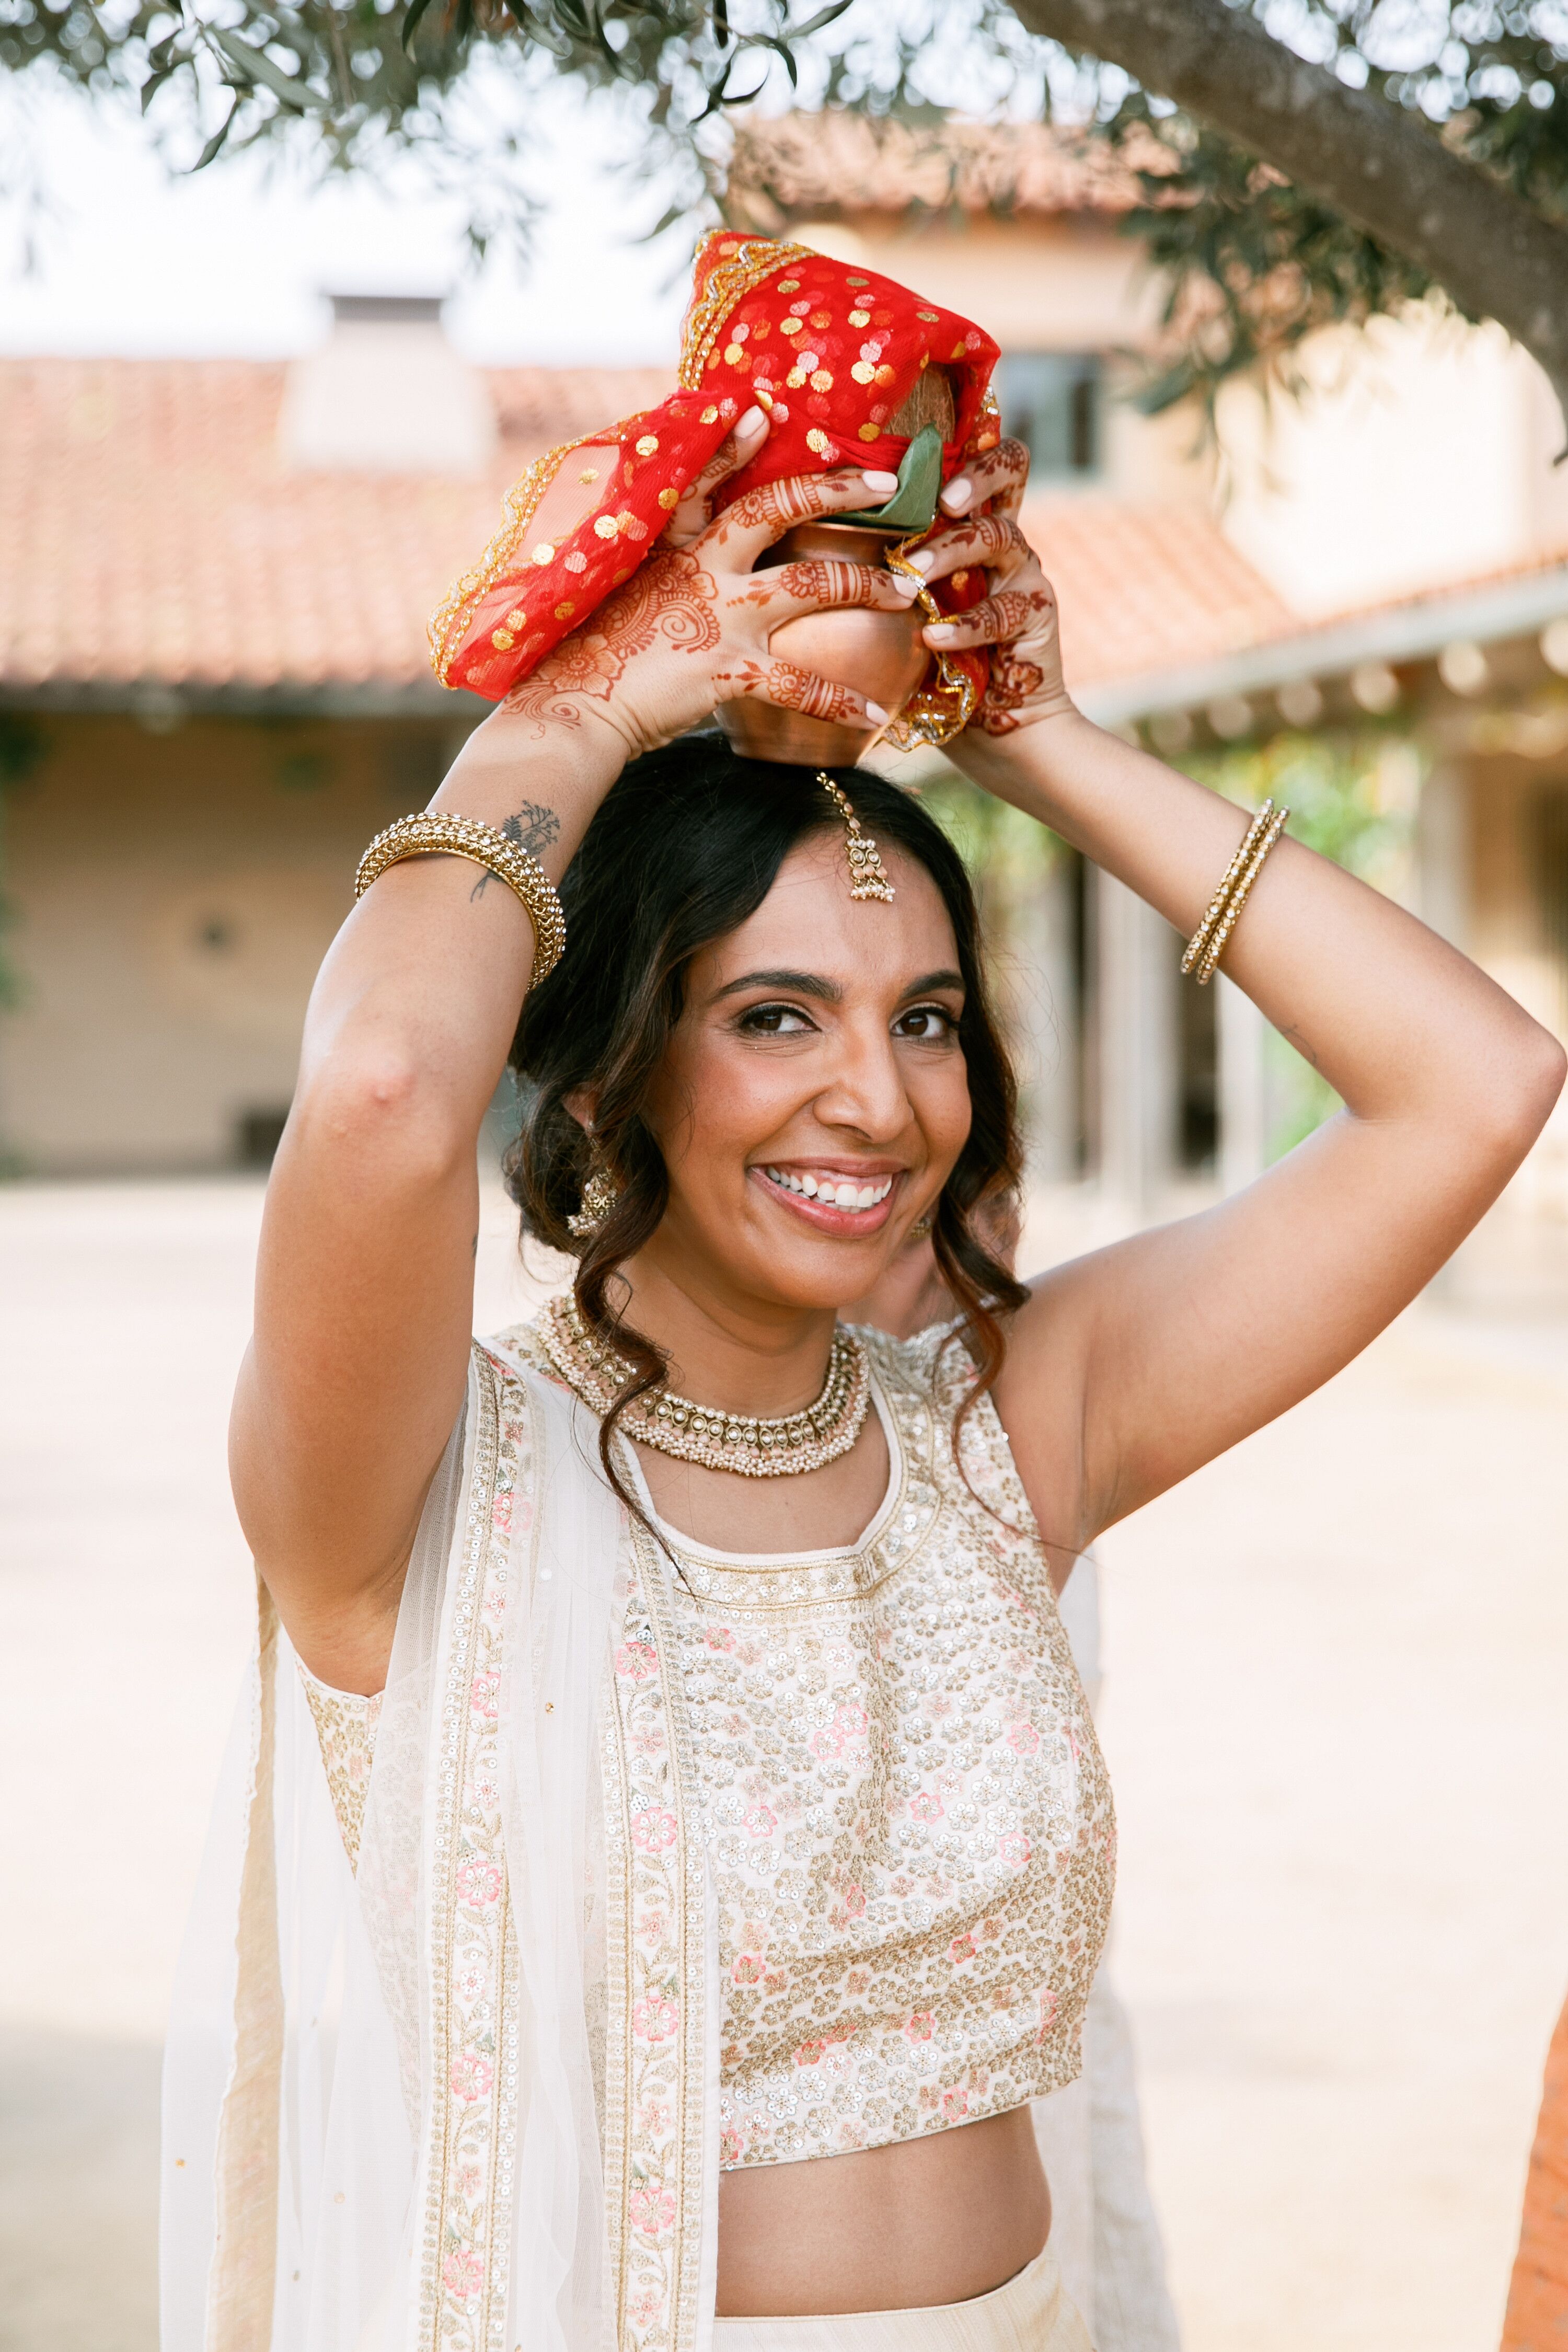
column 381, row 2110
column 553, row 1690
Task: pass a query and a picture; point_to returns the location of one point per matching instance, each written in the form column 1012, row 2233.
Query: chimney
column 387, row 394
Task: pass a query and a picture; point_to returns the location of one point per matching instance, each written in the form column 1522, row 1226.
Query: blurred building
column 213, row 687
column 1386, row 558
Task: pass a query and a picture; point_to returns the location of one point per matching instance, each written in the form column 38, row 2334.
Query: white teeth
column 836, row 1194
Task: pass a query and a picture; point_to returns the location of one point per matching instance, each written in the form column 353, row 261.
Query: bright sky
column 233, row 261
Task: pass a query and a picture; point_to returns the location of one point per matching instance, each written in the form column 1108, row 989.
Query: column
column 1137, row 960
column 1443, row 854
column 1043, row 991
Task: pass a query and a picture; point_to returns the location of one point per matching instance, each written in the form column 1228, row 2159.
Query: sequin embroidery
column 909, row 1817
column 345, row 1727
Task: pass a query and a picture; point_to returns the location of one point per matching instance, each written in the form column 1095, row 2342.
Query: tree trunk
column 1380, row 167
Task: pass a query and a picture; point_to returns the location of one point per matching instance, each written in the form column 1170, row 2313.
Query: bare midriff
column 928, row 2220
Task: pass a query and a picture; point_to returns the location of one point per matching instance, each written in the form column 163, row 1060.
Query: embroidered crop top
column 908, row 1817
column 907, row 1812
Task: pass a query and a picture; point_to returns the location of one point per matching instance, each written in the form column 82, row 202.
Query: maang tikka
column 867, row 876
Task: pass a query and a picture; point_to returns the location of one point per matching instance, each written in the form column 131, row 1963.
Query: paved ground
column 1334, row 1717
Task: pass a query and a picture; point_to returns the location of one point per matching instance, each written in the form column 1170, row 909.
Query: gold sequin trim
column 450, row 621
column 754, row 261
column 938, row 713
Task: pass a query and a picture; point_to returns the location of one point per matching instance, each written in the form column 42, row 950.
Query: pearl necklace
column 755, row 1448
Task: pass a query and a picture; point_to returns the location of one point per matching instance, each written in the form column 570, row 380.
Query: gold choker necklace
column 782, row 1448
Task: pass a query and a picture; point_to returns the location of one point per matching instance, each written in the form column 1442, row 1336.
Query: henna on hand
column 775, row 507
column 1019, row 621
column 705, row 601
column 1013, row 685
column 669, row 597
column 1010, row 612
column 779, row 682
column 993, row 539
column 694, row 510
column 825, row 581
column 1000, row 475
column 765, row 513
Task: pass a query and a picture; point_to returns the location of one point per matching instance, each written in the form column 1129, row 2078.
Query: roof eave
column 159, row 699
column 1399, row 633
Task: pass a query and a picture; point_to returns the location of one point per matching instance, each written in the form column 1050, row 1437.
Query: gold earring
column 921, row 1226
column 867, row 878
column 599, row 1195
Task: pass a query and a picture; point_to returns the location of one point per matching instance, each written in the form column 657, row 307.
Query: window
column 1050, row 401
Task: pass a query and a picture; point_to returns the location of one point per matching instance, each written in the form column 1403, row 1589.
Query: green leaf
column 912, row 505
column 824, row 16
column 155, row 83
column 216, row 140
column 257, row 67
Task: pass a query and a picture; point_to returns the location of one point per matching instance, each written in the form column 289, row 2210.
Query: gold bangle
column 1221, row 899
column 1239, row 895
column 435, row 834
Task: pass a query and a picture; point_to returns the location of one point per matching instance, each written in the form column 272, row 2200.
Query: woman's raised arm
column 1132, row 1367
column 364, row 1281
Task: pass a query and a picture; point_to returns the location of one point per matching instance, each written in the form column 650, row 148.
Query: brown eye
column 773, row 1021
column 926, row 1024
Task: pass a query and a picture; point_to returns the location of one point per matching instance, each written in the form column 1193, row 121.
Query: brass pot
column 879, row 654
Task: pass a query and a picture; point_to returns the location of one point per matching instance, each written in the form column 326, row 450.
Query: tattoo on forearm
column 533, row 828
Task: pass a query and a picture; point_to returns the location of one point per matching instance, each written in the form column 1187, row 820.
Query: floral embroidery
column 474, row 2026
column 653, row 2119
column 904, row 1803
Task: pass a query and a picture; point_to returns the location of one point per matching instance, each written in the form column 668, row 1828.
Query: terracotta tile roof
column 1145, row 589
column 150, row 531
column 822, row 166
column 151, row 534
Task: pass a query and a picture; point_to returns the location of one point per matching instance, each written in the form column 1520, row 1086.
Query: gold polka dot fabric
column 907, row 1814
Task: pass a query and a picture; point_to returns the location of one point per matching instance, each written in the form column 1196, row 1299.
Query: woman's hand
column 1130, row 1368
column 1018, row 619
column 691, row 627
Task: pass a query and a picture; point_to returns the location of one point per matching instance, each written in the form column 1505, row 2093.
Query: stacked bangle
column 435, row 834
column 1208, row 942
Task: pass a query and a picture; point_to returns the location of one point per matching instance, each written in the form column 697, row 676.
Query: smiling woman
column 670, row 1846
column 782, row 1121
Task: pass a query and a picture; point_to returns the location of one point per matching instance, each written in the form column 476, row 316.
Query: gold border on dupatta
column 449, row 622
column 655, row 2146
column 754, row 261
column 241, row 2283
column 466, row 2234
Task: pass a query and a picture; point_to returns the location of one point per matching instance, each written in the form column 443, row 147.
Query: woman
column 836, row 1848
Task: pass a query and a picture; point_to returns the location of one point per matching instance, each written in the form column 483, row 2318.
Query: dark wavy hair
column 683, row 850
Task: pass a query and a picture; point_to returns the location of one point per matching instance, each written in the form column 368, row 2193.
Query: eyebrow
column 797, row 983
column 828, row 991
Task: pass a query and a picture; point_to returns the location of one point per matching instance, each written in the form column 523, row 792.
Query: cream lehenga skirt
column 1031, row 2312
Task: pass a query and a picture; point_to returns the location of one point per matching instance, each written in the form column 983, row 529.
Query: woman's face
column 814, row 1095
